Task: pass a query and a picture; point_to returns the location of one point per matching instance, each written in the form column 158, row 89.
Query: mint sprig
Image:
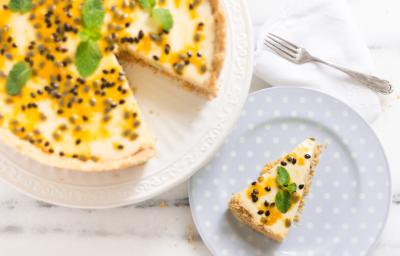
column 283, row 176
column 93, row 14
column 17, row 78
column 21, row 6
column 291, row 188
column 282, row 200
column 87, row 57
column 160, row 16
column 163, row 17
column 285, row 190
column 87, row 34
column 147, row 4
column 88, row 54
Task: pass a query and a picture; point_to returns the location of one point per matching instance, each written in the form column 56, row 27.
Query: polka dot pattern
column 350, row 194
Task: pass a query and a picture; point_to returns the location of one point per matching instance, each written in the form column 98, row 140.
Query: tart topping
column 88, row 55
column 288, row 223
column 21, row 6
column 147, row 4
column 285, row 190
column 19, row 75
column 291, row 159
column 163, row 17
column 263, row 220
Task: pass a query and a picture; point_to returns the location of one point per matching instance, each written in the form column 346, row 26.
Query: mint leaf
column 93, row 14
column 282, row 177
column 87, row 57
column 282, row 201
column 21, row 6
column 86, row 34
column 163, row 17
column 17, row 78
column 147, row 4
column 291, row 188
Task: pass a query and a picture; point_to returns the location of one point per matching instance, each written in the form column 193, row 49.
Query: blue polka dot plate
column 347, row 207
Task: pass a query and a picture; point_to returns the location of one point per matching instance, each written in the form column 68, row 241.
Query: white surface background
column 29, row 227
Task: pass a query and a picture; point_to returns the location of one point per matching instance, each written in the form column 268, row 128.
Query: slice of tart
column 274, row 201
column 64, row 98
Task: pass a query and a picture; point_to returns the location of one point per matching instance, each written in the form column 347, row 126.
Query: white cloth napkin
column 327, row 30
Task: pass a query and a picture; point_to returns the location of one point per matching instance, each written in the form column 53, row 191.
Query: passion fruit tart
column 64, row 97
column 274, row 201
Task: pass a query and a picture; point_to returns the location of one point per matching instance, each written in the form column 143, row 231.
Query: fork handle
column 372, row 82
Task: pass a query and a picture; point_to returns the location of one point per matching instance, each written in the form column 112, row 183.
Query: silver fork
column 299, row 55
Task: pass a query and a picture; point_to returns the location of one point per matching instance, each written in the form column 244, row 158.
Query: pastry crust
column 318, row 150
column 219, row 48
column 244, row 216
column 144, row 152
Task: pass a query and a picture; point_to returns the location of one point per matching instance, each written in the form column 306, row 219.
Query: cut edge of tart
column 243, row 208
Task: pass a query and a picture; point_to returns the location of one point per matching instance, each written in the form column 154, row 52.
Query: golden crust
column 142, row 155
column 307, row 185
column 219, row 47
column 244, row 216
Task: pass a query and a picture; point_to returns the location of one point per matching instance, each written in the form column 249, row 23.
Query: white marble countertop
column 30, row 227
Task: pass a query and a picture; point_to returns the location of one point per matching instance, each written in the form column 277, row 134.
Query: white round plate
column 350, row 194
column 188, row 129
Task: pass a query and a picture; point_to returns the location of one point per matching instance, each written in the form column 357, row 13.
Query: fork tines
column 281, row 46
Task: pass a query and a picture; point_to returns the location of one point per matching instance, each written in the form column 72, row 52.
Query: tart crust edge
column 144, row 152
column 244, row 216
